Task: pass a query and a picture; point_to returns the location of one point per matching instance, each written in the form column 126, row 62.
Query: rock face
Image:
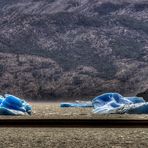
column 143, row 94
column 73, row 48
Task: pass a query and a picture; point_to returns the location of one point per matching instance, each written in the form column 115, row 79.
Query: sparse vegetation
column 42, row 48
column 108, row 7
column 1, row 69
column 127, row 48
column 132, row 23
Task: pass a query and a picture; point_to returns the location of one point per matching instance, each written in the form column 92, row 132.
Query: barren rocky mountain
column 51, row 49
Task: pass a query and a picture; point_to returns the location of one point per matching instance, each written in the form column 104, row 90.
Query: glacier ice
column 11, row 105
column 76, row 105
column 114, row 103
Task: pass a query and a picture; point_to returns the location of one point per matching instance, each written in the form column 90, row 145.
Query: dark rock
column 144, row 95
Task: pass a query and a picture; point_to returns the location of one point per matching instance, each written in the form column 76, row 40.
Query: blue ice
column 114, row 103
column 11, row 105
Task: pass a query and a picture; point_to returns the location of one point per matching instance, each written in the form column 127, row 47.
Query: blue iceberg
column 114, row 103
column 83, row 105
column 11, row 105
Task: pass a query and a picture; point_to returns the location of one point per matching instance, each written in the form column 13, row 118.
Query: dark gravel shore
column 73, row 138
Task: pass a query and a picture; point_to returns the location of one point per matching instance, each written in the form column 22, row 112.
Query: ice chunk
column 138, row 108
column 75, row 105
column 1, row 99
column 114, row 103
column 11, row 105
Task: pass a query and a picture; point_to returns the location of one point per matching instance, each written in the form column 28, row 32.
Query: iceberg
column 114, row 103
column 83, row 105
column 11, row 105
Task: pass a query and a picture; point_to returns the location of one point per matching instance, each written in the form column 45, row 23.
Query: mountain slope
column 73, row 48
